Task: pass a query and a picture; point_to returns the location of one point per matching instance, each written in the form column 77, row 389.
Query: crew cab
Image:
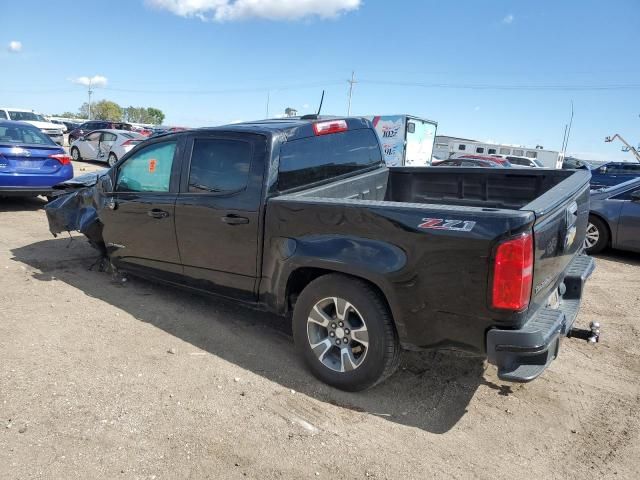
column 301, row 216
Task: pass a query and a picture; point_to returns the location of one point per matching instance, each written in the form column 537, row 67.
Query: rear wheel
column 343, row 329
column 112, row 159
column 75, row 154
column 597, row 237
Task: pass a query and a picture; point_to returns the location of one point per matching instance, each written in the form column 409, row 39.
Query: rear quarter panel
column 434, row 279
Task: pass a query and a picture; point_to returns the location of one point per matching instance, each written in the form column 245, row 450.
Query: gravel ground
column 142, row 381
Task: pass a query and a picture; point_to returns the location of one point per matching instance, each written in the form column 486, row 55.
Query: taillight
column 131, row 143
column 513, row 273
column 331, row 126
column 63, row 158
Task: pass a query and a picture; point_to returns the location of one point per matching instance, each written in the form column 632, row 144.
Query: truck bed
column 471, row 187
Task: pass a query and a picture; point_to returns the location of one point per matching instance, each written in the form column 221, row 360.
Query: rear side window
column 3, row 115
column 108, row 137
column 21, row 134
column 149, row 170
column 219, row 165
column 313, row 159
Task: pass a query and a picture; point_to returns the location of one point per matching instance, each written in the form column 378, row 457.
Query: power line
column 228, row 90
column 469, row 86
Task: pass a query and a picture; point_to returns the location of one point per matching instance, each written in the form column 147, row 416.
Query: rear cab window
column 312, row 160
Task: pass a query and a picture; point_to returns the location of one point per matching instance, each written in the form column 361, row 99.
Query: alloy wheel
column 592, row 237
column 337, row 334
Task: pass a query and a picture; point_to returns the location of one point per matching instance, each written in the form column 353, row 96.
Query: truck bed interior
column 474, row 187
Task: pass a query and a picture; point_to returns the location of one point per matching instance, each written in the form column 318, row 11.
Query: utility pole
column 351, row 82
column 268, row 98
column 90, row 92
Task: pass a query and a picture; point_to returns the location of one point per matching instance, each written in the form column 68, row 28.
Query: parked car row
column 90, row 126
column 614, row 173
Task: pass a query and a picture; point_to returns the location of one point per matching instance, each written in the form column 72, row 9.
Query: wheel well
column 302, row 277
column 606, row 224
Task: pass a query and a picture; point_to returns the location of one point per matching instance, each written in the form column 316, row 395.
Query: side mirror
column 635, row 196
column 105, row 183
column 81, row 139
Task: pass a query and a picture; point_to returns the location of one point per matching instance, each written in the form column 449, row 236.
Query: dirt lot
column 101, row 380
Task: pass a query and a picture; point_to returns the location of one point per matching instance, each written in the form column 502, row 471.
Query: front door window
column 149, row 170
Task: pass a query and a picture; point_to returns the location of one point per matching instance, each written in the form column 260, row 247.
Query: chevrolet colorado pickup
column 302, row 216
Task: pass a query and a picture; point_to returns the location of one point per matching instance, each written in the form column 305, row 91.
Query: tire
column 597, row 238
column 366, row 312
column 112, row 159
column 75, row 154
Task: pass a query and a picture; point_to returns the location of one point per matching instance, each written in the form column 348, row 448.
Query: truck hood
column 43, row 125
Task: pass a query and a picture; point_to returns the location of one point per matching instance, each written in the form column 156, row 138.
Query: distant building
column 446, row 147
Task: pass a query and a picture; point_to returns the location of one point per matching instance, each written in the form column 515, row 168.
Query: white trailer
column 446, row 147
column 406, row 140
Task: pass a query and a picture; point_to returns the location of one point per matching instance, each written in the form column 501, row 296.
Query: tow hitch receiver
column 592, row 335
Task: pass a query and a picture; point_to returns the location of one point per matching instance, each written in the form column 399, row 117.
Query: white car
column 105, row 145
column 21, row 115
column 521, row 161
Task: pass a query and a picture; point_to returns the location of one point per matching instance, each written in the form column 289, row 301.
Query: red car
column 475, row 161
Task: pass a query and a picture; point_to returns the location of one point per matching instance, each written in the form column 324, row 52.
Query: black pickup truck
column 302, row 215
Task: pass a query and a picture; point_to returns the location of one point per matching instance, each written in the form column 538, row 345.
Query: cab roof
column 290, row 127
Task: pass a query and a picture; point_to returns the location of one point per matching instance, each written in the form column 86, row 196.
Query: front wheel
column 597, row 237
column 343, row 329
column 112, row 159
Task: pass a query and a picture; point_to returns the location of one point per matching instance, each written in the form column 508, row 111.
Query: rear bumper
column 522, row 355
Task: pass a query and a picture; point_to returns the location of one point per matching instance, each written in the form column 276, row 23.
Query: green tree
column 83, row 112
column 134, row 114
column 106, row 110
column 155, row 116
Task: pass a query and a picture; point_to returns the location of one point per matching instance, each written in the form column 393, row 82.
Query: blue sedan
column 614, row 219
column 30, row 162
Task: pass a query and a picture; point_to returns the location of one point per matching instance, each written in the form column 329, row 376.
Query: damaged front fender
column 76, row 206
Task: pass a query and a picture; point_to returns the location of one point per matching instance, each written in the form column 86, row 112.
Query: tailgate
column 562, row 215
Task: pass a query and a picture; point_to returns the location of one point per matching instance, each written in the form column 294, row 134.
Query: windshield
column 23, row 116
column 21, row 134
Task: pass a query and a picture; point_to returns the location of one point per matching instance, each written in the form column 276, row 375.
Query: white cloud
column 229, row 10
column 95, row 81
column 15, row 46
column 508, row 19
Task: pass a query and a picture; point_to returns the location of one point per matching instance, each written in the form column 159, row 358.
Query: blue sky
column 215, row 65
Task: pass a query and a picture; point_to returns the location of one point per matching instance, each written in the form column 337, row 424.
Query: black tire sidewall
column 75, row 149
column 109, row 159
column 360, row 296
column 603, row 238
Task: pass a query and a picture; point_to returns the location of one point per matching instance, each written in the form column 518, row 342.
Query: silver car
column 105, row 145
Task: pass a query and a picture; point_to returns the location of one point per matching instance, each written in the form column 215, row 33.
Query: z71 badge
column 441, row 224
